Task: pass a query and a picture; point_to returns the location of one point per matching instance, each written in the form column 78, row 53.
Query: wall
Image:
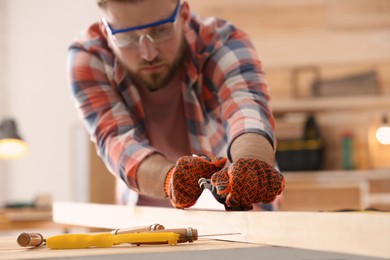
column 2, row 94
column 37, row 36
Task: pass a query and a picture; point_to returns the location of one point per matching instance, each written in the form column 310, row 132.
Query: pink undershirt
column 165, row 121
column 166, row 126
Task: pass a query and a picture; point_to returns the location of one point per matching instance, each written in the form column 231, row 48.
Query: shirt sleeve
column 236, row 73
column 113, row 125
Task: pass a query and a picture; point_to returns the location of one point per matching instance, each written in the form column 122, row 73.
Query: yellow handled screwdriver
column 185, row 235
column 78, row 241
column 94, row 240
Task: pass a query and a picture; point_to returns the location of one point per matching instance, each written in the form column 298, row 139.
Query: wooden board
column 202, row 249
column 322, row 48
column 359, row 14
column 356, row 233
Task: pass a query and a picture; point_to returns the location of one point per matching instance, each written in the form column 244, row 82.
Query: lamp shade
column 12, row 145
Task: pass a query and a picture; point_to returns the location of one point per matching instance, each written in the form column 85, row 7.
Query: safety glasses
column 131, row 37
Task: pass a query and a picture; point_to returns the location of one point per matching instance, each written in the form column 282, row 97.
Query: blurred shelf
column 323, row 104
column 24, row 218
column 323, row 48
column 338, row 175
column 337, row 190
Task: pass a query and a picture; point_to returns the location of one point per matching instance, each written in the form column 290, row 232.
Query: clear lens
column 162, row 32
column 131, row 39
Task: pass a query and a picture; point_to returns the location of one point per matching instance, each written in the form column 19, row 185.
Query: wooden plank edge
column 358, row 233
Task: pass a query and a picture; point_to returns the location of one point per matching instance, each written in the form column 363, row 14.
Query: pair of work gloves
column 244, row 182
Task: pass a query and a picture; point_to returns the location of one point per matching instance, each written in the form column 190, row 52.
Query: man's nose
column 147, row 48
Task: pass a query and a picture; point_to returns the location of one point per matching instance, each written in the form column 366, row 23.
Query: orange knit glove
column 248, row 181
column 181, row 183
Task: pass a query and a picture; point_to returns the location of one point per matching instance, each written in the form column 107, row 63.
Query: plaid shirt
column 225, row 96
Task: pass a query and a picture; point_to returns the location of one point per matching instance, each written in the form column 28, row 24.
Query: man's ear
column 103, row 29
column 185, row 12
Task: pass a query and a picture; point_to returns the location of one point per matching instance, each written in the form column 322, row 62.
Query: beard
column 157, row 80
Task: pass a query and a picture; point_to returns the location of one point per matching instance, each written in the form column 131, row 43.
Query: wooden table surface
column 261, row 235
column 355, row 233
column 201, row 249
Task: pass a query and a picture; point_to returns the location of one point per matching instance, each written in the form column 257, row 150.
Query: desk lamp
column 11, row 144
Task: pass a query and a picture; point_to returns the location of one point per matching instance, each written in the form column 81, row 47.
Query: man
column 155, row 84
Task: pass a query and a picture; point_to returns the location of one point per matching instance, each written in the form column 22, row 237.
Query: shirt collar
column 119, row 72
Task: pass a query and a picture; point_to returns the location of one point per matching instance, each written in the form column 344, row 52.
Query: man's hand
column 181, row 184
column 248, row 181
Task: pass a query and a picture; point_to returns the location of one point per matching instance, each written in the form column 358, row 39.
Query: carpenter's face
column 148, row 38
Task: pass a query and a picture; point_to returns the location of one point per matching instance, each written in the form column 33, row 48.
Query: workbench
column 260, row 235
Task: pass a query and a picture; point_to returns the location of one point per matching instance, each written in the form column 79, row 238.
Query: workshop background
column 327, row 62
